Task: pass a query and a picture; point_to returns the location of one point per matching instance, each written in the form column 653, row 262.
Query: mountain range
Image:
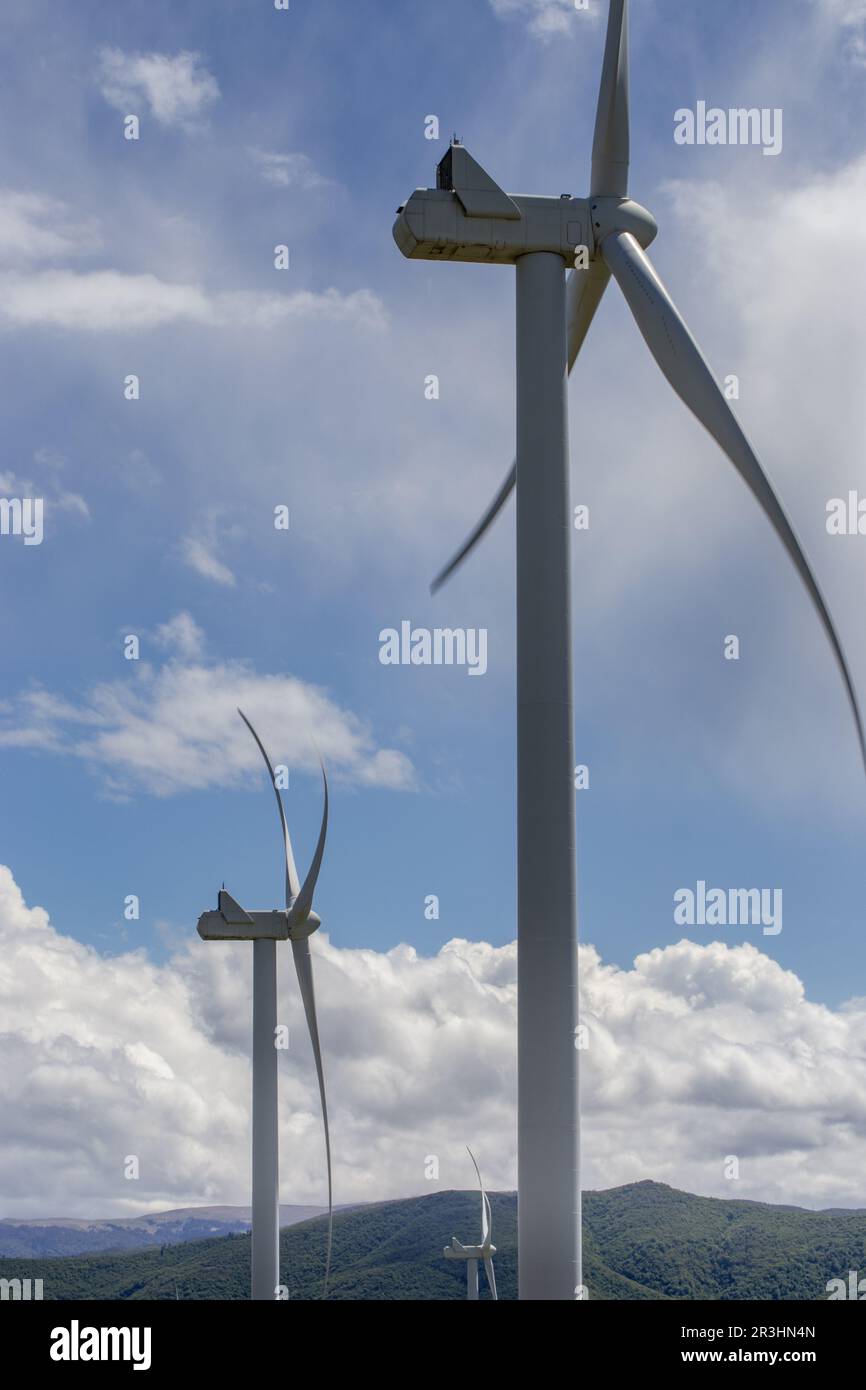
column 641, row 1241
column 60, row 1235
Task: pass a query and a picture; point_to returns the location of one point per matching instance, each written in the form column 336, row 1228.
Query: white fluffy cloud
column 173, row 728
column 113, row 301
column 697, row 1052
column 706, row 1051
column 176, row 88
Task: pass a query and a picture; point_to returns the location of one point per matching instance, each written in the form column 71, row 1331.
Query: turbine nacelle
column 456, row 1251
column 468, row 217
column 257, row 926
column 231, row 922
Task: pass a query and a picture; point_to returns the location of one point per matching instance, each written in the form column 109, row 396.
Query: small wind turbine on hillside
column 296, row 923
column 473, row 1253
column 468, row 217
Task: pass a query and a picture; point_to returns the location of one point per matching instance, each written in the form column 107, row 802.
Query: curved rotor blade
column 475, row 535
column 485, row 1205
column 491, row 1277
column 304, row 901
column 610, row 146
column 304, row 971
column 583, row 292
column 293, row 886
column 680, row 358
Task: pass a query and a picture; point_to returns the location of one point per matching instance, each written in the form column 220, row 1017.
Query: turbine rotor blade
column 475, row 535
column 681, row 361
column 485, row 1205
column 491, row 1277
column 293, row 886
column 304, row 901
column 304, row 970
column 583, row 292
column 610, row 146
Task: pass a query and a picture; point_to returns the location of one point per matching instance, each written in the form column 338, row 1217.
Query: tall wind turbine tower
column 468, row 217
column 264, row 929
column 484, row 1251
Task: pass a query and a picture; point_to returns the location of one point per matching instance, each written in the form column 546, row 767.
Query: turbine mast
column 548, row 1211
column 296, row 923
column 265, row 1264
column 467, row 217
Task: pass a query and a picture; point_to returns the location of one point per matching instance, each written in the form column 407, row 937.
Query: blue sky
column 225, row 416
column 306, row 387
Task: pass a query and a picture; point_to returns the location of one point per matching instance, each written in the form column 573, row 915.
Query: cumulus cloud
column 697, row 1052
column 704, row 1051
column 175, row 727
column 176, row 88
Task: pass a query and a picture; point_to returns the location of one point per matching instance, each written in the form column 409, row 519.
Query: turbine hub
column 298, row 930
column 622, row 215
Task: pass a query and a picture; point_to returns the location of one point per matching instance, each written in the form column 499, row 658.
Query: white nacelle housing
column 434, row 226
column 260, row 926
column 468, row 217
column 231, row 922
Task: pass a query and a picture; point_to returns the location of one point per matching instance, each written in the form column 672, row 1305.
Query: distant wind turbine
column 473, row 1253
column 296, row 924
column 468, row 217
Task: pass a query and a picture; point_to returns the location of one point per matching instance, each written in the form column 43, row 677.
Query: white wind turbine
column 468, row 217
column 473, row 1253
column 296, row 924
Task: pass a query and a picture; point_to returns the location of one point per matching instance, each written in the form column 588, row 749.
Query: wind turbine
column 473, row 1253
column 468, row 217
column 296, row 924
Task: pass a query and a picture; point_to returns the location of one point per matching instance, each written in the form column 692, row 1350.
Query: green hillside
column 643, row 1241
column 703, row 1247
